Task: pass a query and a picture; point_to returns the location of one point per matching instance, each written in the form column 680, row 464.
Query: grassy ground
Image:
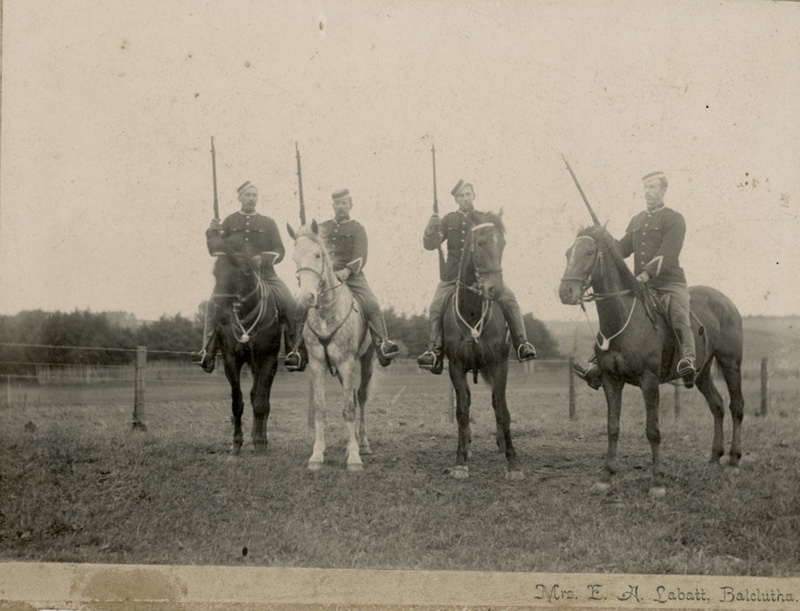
column 84, row 487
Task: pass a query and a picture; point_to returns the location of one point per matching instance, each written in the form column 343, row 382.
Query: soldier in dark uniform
column 453, row 229
column 655, row 238
column 346, row 241
column 244, row 237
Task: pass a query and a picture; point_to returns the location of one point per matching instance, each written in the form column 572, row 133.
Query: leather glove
column 643, row 277
column 215, row 225
column 343, row 274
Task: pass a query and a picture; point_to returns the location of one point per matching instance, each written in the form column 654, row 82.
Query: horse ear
column 292, row 234
column 314, row 226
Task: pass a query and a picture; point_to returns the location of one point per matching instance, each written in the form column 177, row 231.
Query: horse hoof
column 234, row 457
column 260, row 450
column 732, row 470
column 515, row 475
column 314, row 465
column 657, row 492
column 460, row 472
column 365, row 450
column 601, row 487
column 355, row 468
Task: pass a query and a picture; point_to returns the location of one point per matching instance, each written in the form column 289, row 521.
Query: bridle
column 585, row 296
column 480, row 272
column 486, row 306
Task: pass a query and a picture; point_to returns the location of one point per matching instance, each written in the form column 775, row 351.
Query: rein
column 262, row 288
column 601, row 340
column 486, row 305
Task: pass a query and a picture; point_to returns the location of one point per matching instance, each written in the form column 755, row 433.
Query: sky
column 108, row 109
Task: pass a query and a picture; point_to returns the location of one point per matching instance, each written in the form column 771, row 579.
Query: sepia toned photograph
column 443, row 304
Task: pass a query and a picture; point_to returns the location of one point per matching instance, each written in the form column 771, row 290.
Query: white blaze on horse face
column 310, row 263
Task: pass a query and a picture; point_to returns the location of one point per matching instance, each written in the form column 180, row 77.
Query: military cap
column 340, row 194
column 659, row 175
column 245, row 186
column 459, row 185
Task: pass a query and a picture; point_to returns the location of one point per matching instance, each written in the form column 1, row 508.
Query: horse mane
column 607, row 242
column 487, row 217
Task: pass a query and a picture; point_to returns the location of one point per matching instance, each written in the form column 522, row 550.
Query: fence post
column 571, row 379
column 138, row 398
column 764, row 386
column 677, row 401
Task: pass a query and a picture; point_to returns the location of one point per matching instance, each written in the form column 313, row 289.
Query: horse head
column 484, row 253
column 314, row 268
column 582, row 258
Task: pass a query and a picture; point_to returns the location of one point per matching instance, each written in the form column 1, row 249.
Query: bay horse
column 636, row 346
column 250, row 333
column 476, row 338
column 338, row 341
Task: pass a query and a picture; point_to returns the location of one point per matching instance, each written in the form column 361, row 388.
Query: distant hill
column 776, row 337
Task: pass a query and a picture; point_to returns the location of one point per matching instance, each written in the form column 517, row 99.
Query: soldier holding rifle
column 453, row 229
column 243, row 238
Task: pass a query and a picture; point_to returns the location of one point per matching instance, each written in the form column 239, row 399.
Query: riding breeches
column 372, row 309
column 675, row 296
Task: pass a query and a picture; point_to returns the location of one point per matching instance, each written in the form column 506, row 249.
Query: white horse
column 337, row 340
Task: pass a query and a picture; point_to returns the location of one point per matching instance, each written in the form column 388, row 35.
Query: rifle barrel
column 580, row 190
column 300, row 186
column 214, row 175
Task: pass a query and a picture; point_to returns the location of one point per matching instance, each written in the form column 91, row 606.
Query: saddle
column 658, row 308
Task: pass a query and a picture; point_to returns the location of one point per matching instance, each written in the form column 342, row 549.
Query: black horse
column 250, row 333
column 476, row 338
column 636, row 346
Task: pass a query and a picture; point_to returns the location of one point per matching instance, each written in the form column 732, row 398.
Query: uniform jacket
column 655, row 239
column 248, row 235
column 453, row 229
column 347, row 244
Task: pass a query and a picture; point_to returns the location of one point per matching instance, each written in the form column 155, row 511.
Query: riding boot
column 297, row 358
column 433, row 358
column 385, row 349
column 206, row 357
column 686, row 366
column 516, row 326
column 590, row 374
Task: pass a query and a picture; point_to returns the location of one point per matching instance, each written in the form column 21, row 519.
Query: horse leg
column 502, row 417
column 652, row 402
column 367, row 364
column 263, row 376
column 349, row 373
column 732, row 370
column 706, row 386
column 232, row 372
column 317, row 371
column 613, row 391
column 459, row 379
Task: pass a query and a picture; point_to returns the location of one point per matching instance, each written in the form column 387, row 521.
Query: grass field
column 78, row 485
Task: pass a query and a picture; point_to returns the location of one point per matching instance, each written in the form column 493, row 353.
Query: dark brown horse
column 476, row 338
column 636, row 346
column 250, row 333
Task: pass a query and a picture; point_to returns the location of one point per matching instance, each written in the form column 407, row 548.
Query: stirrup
column 530, row 356
column 388, row 349
column 686, row 367
column 291, row 365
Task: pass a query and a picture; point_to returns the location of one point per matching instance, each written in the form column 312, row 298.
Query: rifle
column 442, row 263
column 577, row 184
column 214, row 174
column 300, row 186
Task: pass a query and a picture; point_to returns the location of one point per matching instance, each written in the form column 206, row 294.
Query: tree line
column 60, row 337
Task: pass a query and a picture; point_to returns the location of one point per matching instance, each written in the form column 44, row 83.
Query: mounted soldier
column 655, row 238
column 244, row 238
column 453, row 229
column 347, row 244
